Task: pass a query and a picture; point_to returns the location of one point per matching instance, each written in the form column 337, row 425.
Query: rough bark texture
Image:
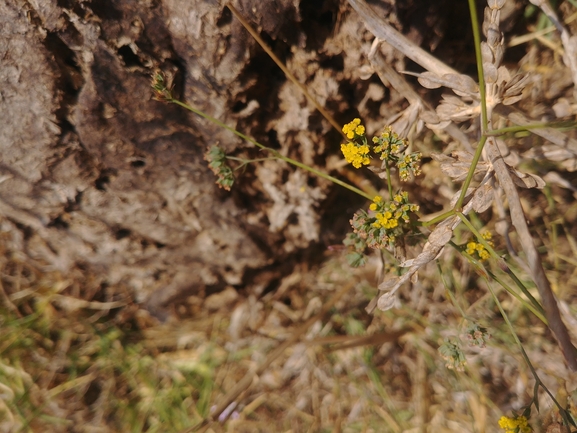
column 98, row 176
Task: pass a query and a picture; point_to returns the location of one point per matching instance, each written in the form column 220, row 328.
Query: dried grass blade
column 382, row 30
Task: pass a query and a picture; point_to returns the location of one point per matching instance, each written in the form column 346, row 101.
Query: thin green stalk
column 275, row 153
column 526, row 357
column 438, row 218
column 389, row 184
column 479, row 59
column 323, row 175
column 476, row 158
column 449, row 293
column 482, row 95
column 526, row 292
column 540, row 312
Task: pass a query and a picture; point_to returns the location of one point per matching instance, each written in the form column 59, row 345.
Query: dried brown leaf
column 552, row 152
column 440, row 236
column 453, row 108
column 486, row 55
column 429, row 80
column 496, row 4
column 526, row 180
column 389, row 283
column 503, row 75
column 430, row 116
column 387, row 301
column 461, row 84
column 483, row 198
column 457, row 167
column 428, row 255
column 510, row 100
column 490, row 72
column 457, row 195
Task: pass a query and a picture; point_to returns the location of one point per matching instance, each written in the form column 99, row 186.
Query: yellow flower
column 514, row 425
column 356, row 155
column 353, row 127
column 484, row 254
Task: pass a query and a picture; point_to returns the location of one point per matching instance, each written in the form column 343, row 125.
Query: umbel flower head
column 385, row 220
column 388, row 146
column 216, row 159
column 357, row 150
column 478, row 250
column 162, row 86
column 515, row 425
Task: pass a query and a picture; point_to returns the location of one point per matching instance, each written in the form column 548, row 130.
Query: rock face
column 98, row 176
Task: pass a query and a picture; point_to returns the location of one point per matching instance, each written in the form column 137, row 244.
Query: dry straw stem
column 382, row 30
column 287, row 72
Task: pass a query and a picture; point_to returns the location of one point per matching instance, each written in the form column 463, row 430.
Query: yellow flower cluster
column 515, row 425
column 407, row 164
column 385, row 222
column 388, row 143
column 385, row 218
column 356, row 151
column 356, row 155
column 354, row 127
column 475, row 247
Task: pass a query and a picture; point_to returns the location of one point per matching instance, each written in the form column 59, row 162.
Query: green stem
column 438, row 218
column 275, row 153
column 482, row 95
column 471, row 173
column 248, row 161
column 479, row 59
column 540, row 313
column 389, row 182
column 524, row 354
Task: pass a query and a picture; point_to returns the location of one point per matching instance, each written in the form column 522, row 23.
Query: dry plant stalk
column 502, row 89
